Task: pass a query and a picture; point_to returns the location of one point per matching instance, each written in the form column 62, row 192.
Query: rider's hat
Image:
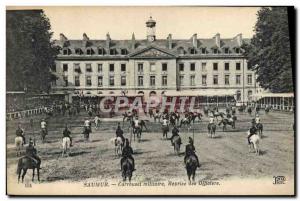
column 191, row 140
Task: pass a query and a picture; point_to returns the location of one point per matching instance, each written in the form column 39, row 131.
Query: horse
column 157, row 116
column 165, row 129
column 127, row 168
column 19, row 144
column 259, row 127
column 138, row 132
column 254, row 140
column 26, row 163
column 218, row 114
column 66, row 143
column 186, row 121
column 193, row 116
column 176, row 144
column 212, row 130
column 191, row 167
column 118, row 142
column 127, row 117
column 227, row 122
column 43, row 134
column 249, row 110
column 86, row 133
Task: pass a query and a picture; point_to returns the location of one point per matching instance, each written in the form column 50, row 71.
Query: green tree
column 269, row 51
column 30, row 52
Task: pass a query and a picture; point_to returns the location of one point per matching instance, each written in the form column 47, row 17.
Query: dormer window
column 78, row 51
column 66, row 51
column 237, row 50
column 203, row 51
column 123, row 51
column 89, row 51
column 100, row 51
column 215, row 51
column 112, row 51
column 226, row 50
column 180, row 50
column 193, row 51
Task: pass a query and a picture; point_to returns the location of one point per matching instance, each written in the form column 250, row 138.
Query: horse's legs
column 38, row 173
column 33, row 174
column 23, row 175
column 19, row 175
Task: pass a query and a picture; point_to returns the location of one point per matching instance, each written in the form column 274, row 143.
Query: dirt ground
column 223, row 157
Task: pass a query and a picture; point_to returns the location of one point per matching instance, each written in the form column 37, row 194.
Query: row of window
column 163, row 82
column 114, row 51
column 88, row 67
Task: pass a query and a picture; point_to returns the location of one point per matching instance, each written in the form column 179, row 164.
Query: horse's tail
column 19, row 167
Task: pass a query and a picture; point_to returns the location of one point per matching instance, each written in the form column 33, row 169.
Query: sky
column 121, row 22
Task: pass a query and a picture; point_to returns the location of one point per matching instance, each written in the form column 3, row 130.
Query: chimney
column 194, row 41
column 169, row 41
column 107, row 41
column 133, row 41
column 217, row 40
column 85, row 40
column 62, row 37
column 239, row 39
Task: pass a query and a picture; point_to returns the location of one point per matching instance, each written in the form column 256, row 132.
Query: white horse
column 18, row 143
column 254, row 140
column 117, row 141
column 66, row 142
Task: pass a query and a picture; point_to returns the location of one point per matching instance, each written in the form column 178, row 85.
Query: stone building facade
column 199, row 67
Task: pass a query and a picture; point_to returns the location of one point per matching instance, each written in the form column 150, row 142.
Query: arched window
column 250, row 95
column 152, row 93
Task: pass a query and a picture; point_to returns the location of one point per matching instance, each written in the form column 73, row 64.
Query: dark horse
column 43, row 134
column 165, row 130
column 212, row 130
column 260, row 128
column 176, row 144
column 191, row 167
column 226, row 122
column 127, row 117
column 127, row 168
column 249, row 110
column 86, row 133
column 26, row 163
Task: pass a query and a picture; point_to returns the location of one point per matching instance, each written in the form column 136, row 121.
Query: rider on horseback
column 31, row 152
column 67, row 133
column 87, row 125
column 119, row 133
column 44, row 125
column 257, row 119
column 252, row 131
column 20, row 133
column 127, row 153
column 211, row 120
column 175, row 132
column 190, row 151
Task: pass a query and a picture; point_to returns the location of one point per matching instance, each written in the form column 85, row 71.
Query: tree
column 269, row 51
column 30, row 53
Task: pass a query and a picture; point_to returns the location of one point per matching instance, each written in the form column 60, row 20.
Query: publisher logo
column 279, row 179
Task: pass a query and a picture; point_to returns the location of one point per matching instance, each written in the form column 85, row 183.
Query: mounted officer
column 175, row 132
column 67, row 133
column 119, row 133
column 252, row 130
column 31, row 153
column 190, row 151
column 127, row 153
column 20, row 133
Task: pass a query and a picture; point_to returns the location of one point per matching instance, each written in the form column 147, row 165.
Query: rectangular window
column 112, row 51
column 123, row 51
column 140, row 68
column 123, row 67
column 100, row 81
column 77, row 81
column 111, row 81
column 237, row 51
column 238, row 66
column 77, row 68
column 215, row 51
column 140, row 81
column 226, row 50
column 152, row 80
column 226, row 65
column 88, row 68
column 123, row 80
column 192, row 81
column 192, row 67
column 181, row 67
column 164, row 81
column 152, row 67
column 203, row 51
column 65, row 52
column 204, row 78
column 88, row 81
column 238, row 79
column 203, row 67
column 215, row 79
column 215, row 66
column 89, row 52
column 111, row 67
column 100, row 51
column 100, row 68
column 65, row 78
column 164, row 67
column 78, row 51
column 249, row 79
column 227, row 79
column 181, row 77
column 65, row 67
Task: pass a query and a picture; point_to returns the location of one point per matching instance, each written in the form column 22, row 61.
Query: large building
column 170, row 67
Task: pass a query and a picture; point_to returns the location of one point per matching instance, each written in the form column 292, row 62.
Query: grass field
column 225, row 156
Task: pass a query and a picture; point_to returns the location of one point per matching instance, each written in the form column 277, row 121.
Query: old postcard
column 150, row 101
